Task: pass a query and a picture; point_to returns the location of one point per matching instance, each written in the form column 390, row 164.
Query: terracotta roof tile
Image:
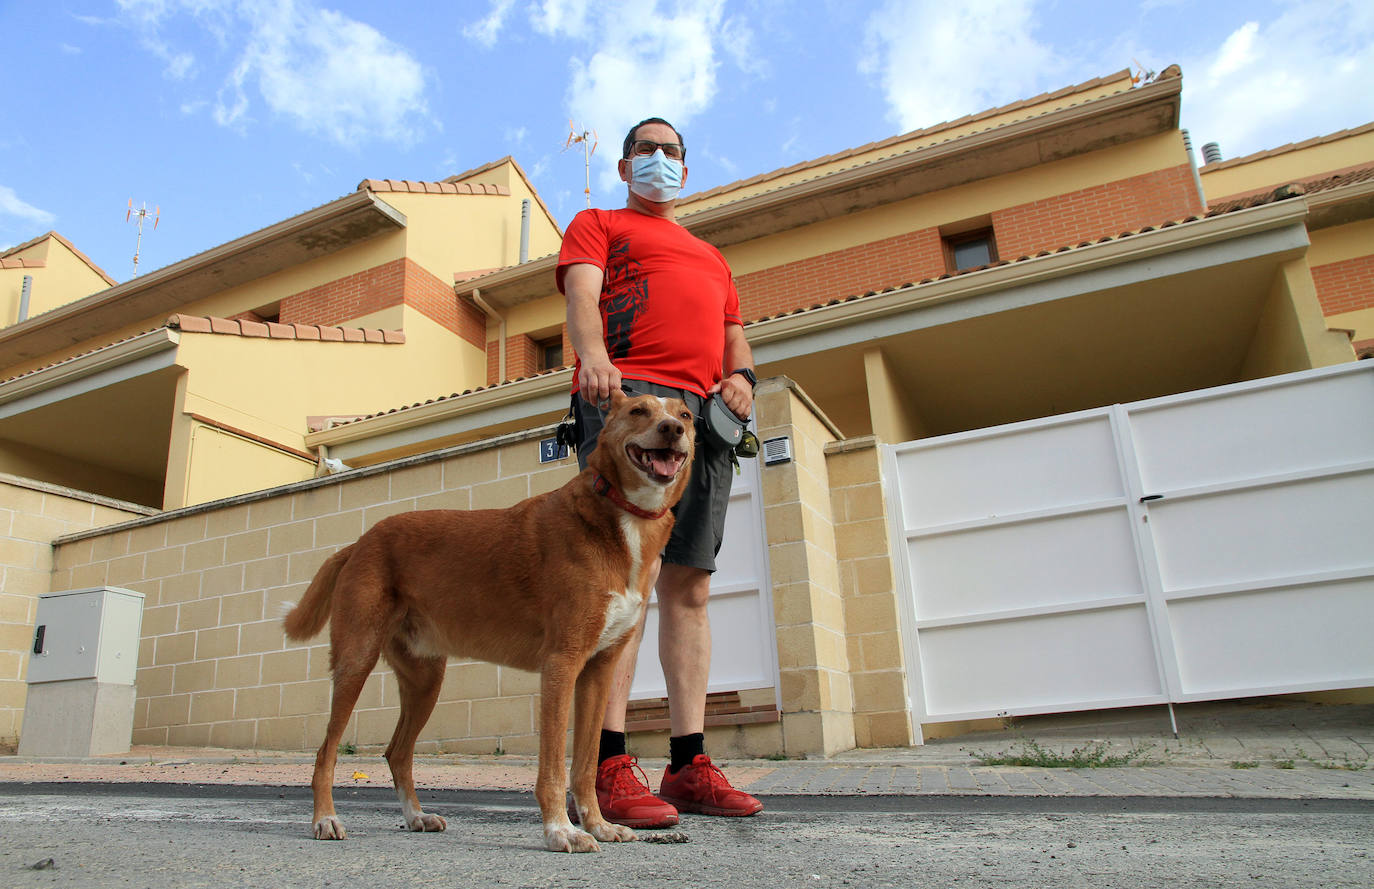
column 411, row 186
column 1293, row 189
column 19, row 262
column 273, row 330
column 344, row 421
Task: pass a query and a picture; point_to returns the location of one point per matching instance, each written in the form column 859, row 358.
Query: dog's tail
column 312, row 612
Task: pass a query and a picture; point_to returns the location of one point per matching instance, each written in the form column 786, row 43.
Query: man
column 653, row 308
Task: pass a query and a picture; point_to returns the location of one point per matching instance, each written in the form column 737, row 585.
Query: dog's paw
column 424, row 822
column 329, row 828
column 607, row 832
column 566, row 838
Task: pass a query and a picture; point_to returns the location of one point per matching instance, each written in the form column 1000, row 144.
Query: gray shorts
column 700, row 525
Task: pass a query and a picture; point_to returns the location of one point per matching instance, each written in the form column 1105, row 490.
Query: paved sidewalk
column 1250, row 749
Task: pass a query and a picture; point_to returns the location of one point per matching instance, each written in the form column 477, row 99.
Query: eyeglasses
column 673, row 150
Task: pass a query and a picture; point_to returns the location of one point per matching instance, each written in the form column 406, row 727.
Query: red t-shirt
column 665, row 298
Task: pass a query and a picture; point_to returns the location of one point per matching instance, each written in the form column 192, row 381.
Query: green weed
column 1095, row 755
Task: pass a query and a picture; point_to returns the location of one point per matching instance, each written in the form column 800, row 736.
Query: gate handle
column 38, row 638
column 1151, row 497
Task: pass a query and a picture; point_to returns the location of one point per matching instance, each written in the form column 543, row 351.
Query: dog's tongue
column 664, row 462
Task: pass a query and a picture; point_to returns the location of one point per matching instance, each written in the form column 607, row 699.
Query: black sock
column 612, row 744
column 684, row 748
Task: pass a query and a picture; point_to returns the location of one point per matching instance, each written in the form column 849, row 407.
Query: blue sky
column 231, row 116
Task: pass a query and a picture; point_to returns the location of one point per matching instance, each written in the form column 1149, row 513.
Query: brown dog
column 554, row 584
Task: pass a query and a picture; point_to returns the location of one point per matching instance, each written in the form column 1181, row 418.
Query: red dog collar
column 607, row 490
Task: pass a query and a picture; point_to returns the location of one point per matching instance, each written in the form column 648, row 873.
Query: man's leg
column 684, row 644
column 622, row 790
column 692, row 782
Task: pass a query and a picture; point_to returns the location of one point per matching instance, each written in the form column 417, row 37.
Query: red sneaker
column 623, row 794
column 701, row 787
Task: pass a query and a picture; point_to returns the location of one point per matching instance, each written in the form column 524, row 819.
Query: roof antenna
column 589, row 143
column 142, row 214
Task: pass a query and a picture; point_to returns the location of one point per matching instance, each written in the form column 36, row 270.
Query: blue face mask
column 655, row 177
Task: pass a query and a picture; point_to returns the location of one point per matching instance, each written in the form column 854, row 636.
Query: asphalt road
column 184, row 836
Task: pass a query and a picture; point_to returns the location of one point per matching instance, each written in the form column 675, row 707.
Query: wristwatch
column 748, row 374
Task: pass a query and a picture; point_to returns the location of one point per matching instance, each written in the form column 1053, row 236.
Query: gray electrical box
column 81, row 673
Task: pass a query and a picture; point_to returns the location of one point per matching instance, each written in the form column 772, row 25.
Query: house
column 1058, row 257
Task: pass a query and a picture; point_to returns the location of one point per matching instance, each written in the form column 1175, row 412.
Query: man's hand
column 597, row 380
column 737, row 393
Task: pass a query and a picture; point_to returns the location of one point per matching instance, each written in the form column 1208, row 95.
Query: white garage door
column 1207, row 545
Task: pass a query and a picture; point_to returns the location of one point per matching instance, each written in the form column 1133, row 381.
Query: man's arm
column 598, row 377
column 738, row 394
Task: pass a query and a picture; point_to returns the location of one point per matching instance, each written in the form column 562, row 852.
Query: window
column 969, row 250
column 549, row 353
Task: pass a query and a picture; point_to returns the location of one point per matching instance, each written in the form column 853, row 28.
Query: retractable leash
column 729, row 431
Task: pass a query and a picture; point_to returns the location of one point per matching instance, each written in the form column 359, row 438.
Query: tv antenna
column 589, row 143
column 142, row 214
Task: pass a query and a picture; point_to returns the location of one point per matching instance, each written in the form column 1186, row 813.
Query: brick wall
column 380, row 287
column 1345, row 286
column 1070, row 218
column 899, row 259
column 31, row 515
column 522, row 357
column 1095, row 212
column 343, row 299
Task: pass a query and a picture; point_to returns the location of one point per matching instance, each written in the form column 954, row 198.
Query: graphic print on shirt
column 626, row 294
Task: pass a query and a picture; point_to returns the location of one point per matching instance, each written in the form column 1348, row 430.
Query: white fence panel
column 1205, row 545
column 743, row 646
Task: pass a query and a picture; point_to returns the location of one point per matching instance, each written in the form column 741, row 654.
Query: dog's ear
column 618, row 397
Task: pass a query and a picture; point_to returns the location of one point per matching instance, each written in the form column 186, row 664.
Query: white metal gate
column 743, row 648
column 1200, row 546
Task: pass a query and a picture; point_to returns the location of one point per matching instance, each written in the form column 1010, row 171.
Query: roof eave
column 343, row 223
column 1341, row 205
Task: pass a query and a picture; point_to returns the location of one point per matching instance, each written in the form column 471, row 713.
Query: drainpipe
column 24, row 298
column 1192, row 163
column 500, row 333
column 524, row 231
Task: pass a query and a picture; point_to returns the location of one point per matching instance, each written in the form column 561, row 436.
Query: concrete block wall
column 808, row 607
column 32, row 513
column 215, row 668
column 877, row 666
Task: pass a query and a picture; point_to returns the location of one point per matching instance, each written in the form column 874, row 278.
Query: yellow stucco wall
column 691, row 204
column 64, row 278
column 268, row 388
column 1290, row 166
column 448, row 234
column 1341, row 242
column 1292, row 335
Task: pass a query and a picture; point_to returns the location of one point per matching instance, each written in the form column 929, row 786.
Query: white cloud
column 1304, row 73
column 29, row 215
column 486, row 30
column 937, row 61
column 642, row 59
column 330, row 75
